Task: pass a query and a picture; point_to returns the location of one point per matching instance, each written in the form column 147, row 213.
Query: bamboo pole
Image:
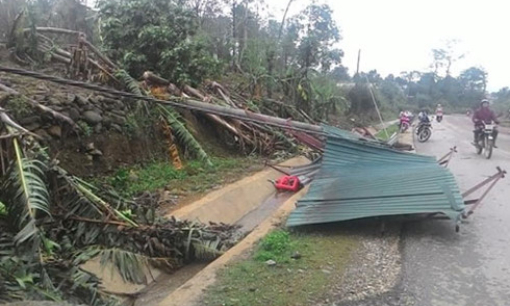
column 98, row 53
column 185, row 103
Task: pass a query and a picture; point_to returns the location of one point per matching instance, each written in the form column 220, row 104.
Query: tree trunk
column 234, row 43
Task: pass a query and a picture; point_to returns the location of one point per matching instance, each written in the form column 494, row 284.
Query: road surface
column 470, row 268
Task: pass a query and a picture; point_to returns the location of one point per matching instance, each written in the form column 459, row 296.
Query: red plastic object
column 289, row 183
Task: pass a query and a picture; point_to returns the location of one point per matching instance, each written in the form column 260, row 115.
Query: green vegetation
column 19, row 107
column 390, row 130
column 300, row 281
column 195, row 177
column 275, row 246
column 51, row 223
column 86, row 129
column 3, row 210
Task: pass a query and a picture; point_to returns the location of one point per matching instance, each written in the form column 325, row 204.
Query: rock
column 90, row 146
column 97, row 110
column 252, row 289
column 92, row 117
column 57, row 108
column 42, row 87
column 98, row 128
column 74, row 114
column 93, row 100
column 96, row 152
column 271, row 263
column 33, row 126
column 55, row 131
column 296, row 255
column 42, row 133
column 39, row 97
column 116, row 127
column 118, row 119
column 326, row 271
column 54, row 101
column 81, row 101
column 119, row 112
column 29, row 120
column 90, row 157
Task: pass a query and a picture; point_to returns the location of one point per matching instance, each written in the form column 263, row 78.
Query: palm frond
column 3, row 209
column 27, row 196
column 132, row 86
column 206, row 250
column 83, row 201
column 183, row 134
column 131, row 266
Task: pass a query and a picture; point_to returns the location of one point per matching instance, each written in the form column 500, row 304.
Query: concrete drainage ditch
column 251, row 202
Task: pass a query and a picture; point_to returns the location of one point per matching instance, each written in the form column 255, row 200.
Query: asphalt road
column 469, row 268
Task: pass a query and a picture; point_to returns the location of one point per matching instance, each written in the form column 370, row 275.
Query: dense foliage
column 158, row 36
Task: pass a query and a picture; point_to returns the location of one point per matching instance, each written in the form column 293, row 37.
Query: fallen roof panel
column 360, row 178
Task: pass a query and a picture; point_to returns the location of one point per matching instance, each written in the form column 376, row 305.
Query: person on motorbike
column 404, row 119
column 423, row 116
column 439, row 110
column 484, row 115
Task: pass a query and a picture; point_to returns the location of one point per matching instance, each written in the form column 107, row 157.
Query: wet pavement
column 471, row 268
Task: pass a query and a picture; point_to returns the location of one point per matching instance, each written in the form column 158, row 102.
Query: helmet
column 484, row 101
column 439, row 105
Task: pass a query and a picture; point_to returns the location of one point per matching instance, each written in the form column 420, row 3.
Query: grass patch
column 381, row 135
column 292, row 281
column 194, row 177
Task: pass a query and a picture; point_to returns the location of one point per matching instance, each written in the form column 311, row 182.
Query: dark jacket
column 484, row 115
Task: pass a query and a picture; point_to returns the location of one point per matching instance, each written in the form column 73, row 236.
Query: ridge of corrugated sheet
column 360, row 178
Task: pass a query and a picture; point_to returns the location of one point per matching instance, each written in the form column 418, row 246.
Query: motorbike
column 485, row 141
column 439, row 118
column 404, row 124
column 424, row 131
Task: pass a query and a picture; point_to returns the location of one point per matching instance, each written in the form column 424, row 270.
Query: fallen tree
column 52, row 222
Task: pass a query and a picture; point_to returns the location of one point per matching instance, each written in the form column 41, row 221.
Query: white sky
column 398, row 35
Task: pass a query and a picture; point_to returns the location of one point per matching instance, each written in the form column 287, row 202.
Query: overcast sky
column 398, row 35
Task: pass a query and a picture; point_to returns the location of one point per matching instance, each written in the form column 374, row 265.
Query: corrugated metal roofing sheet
column 359, row 179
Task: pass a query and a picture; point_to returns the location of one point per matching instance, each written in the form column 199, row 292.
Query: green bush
column 276, row 246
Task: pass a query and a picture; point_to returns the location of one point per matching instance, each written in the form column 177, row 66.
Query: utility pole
column 359, row 56
column 377, row 107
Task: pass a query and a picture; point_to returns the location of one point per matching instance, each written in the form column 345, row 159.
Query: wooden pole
column 377, row 107
column 359, row 57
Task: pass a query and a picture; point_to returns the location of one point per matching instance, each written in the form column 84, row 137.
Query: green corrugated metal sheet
column 360, row 179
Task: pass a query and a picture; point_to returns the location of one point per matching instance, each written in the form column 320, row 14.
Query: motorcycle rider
column 482, row 115
column 404, row 119
column 439, row 111
column 423, row 116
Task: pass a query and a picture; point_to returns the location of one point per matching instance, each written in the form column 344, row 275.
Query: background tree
column 158, row 36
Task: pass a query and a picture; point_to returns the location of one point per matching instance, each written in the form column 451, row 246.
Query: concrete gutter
column 228, row 205
column 231, row 203
column 191, row 292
